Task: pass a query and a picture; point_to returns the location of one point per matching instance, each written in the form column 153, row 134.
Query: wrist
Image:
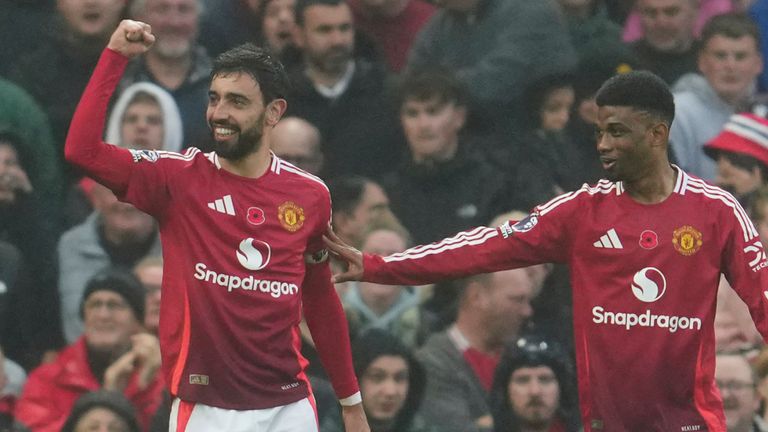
column 354, row 399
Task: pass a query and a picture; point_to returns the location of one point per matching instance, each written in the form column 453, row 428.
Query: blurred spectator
column 21, row 117
column 26, row 228
column 229, row 23
column 12, row 379
column 20, row 22
column 668, row 47
column 534, row 389
column 460, row 361
column 738, row 388
column 741, row 153
column 444, row 186
column 391, row 383
column 343, row 96
column 392, row 24
column 730, row 62
column 298, row 141
column 395, row 309
column 102, row 411
column 278, row 24
column 633, row 27
column 56, row 73
column 760, row 366
column 550, row 101
column 589, row 26
column 146, row 117
column 177, row 63
column 149, row 271
column 495, row 47
column 357, row 201
column 115, row 234
column 112, row 354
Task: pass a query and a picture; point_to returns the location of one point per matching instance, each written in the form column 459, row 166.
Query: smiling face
column 235, row 115
column 625, row 138
column 109, row 322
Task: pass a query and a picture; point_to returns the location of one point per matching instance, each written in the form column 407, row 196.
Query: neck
column 655, row 186
column 476, row 333
column 169, row 72
column 325, row 77
column 252, row 166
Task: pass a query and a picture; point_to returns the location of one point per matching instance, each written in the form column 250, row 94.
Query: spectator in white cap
column 741, row 154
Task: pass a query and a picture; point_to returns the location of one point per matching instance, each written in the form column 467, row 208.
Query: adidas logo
column 609, row 240
column 223, row 205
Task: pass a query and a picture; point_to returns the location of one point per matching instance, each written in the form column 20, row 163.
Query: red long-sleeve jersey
column 644, row 280
column 241, row 258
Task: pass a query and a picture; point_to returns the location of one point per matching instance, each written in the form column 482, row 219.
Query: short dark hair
column 640, row 90
column 732, row 25
column 113, row 401
column 431, row 83
column 302, row 5
column 744, row 161
column 257, row 62
column 347, row 192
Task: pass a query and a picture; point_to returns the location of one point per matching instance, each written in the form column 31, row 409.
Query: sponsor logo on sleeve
column 147, row 155
column 198, row 379
column 291, row 216
column 523, row 225
column 687, row 240
column 756, row 256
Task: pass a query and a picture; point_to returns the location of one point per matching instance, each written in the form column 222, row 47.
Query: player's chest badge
column 291, row 216
column 687, row 240
column 648, row 239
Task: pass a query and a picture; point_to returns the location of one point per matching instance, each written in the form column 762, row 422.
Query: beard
column 247, row 143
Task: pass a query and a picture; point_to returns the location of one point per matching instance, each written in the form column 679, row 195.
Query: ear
column 275, row 111
column 660, row 134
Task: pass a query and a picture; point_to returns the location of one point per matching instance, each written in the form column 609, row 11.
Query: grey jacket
column 454, row 398
column 80, row 258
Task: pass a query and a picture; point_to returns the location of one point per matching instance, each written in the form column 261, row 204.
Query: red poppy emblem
column 648, row 239
column 255, row 216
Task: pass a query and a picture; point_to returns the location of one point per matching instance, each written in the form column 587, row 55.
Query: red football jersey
column 242, row 257
column 644, row 281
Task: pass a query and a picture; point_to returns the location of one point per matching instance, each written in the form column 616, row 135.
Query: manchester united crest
column 686, row 240
column 291, row 216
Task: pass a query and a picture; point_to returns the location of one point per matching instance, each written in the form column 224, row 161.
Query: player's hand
column 354, row 418
column 352, row 256
column 146, row 347
column 131, row 38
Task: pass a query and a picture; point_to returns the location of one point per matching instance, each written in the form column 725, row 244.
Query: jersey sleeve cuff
column 351, row 400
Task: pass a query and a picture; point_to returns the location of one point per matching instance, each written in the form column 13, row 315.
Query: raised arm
column 108, row 164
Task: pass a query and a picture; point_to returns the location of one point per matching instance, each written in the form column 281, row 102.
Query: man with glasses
column 113, row 354
column 736, row 380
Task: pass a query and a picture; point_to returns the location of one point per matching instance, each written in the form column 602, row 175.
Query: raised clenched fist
column 132, row 38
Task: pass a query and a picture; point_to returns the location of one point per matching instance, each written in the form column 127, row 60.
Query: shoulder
column 585, row 194
column 301, row 180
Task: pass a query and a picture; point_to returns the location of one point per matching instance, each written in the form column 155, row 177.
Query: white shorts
column 299, row 416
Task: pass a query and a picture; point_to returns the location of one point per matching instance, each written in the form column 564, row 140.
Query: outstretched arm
column 108, row 164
